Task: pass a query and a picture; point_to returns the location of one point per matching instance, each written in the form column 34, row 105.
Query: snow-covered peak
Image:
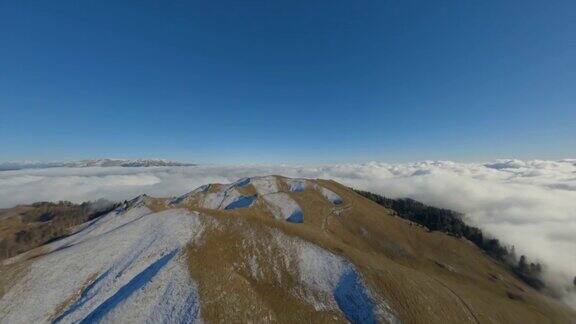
column 274, row 192
column 5, row 166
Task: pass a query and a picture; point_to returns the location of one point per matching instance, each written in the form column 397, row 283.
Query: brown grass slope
column 245, row 275
column 25, row 227
column 426, row 277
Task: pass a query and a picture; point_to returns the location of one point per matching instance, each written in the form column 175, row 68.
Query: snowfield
column 125, row 267
column 331, row 282
column 265, row 185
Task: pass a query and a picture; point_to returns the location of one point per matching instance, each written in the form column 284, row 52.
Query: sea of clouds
column 528, row 204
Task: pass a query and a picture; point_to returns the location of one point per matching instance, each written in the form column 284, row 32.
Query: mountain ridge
column 256, row 261
column 103, row 162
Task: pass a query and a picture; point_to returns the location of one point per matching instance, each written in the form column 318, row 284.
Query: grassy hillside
column 343, row 258
column 425, row 276
column 25, row 227
column 451, row 223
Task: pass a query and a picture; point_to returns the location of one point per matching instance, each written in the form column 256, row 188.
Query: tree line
column 451, row 222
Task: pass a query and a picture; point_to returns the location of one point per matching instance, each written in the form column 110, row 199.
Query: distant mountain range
column 6, row 166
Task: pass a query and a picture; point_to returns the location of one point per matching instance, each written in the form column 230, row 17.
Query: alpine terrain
column 262, row 249
column 9, row 166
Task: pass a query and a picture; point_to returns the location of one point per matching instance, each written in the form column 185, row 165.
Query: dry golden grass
column 426, row 277
column 229, row 291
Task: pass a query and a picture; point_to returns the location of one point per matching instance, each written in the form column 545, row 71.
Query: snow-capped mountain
column 5, row 166
column 261, row 249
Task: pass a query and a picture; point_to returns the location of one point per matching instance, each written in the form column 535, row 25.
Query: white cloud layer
column 530, row 204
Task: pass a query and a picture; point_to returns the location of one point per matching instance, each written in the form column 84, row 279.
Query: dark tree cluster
column 451, row 222
column 529, row 272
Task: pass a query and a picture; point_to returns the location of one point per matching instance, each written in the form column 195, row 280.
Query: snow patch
column 331, row 196
column 221, row 198
column 242, row 202
column 296, row 217
column 331, row 282
column 185, row 197
column 241, row 183
column 265, row 185
column 284, row 207
column 352, row 298
column 297, row 185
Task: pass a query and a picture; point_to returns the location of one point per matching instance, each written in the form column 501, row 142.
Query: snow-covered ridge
column 280, row 203
column 130, row 265
column 139, row 264
column 6, row 166
column 125, row 267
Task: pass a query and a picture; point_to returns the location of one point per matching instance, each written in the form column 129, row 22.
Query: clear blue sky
column 288, row 81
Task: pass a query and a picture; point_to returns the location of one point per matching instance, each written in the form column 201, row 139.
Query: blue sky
column 287, row 81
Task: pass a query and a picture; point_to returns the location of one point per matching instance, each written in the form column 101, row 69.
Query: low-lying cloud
column 528, row 204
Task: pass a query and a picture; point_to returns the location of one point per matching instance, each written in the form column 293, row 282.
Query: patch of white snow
column 126, row 267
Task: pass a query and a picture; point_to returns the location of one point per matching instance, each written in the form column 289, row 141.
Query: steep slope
column 264, row 249
column 27, row 226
